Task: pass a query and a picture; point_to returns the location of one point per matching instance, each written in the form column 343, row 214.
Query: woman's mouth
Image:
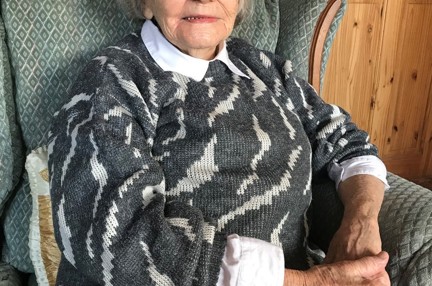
column 200, row 19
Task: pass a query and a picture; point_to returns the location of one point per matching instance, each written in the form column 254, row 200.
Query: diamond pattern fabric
column 296, row 32
column 406, row 230
column 5, row 136
column 16, row 230
column 10, row 142
column 49, row 42
column 261, row 29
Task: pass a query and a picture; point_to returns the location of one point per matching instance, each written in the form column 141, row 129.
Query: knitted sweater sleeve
column 332, row 134
column 112, row 220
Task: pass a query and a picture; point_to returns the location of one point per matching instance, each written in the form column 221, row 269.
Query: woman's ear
column 146, row 9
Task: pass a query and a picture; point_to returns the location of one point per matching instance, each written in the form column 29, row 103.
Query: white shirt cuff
column 249, row 262
column 365, row 165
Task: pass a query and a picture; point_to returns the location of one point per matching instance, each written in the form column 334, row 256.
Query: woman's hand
column 357, row 237
column 369, row 270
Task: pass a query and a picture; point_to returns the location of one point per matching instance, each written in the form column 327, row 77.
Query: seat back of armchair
column 47, row 42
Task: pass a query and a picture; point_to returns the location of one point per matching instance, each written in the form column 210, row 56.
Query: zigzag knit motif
column 151, row 170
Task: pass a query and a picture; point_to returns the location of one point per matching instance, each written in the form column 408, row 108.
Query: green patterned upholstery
column 296, row 32
column 406, row 229
column 262, row 28
column 5, row 136
column 10, row 142
column 16, row 226
column 49, row 42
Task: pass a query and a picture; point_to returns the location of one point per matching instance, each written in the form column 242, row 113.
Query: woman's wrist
column 315, row 276
column 352, row 219
column 295, row 278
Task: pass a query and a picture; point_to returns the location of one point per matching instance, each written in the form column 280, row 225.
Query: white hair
column 133, row 8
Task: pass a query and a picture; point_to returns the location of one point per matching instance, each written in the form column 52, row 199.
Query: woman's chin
column 195, row 46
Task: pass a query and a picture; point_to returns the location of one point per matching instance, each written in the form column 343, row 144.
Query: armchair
column 44, row 43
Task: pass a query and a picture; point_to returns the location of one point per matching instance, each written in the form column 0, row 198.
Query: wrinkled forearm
column 362, row 196
column 294, row 278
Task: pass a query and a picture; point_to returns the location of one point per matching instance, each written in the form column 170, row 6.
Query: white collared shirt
column 247, row 261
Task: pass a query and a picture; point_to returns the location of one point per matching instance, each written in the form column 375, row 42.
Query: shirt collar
column 169, row 58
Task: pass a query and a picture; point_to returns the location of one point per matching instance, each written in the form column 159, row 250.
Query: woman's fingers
column 369, row 270
column 372, row 265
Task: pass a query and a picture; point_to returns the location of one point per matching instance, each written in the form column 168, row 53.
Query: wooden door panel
column 380, row 70
column 383, row 82
column 408, row 97
column 420, row 1
column 406, row 121
column 428, row 139
column 353, row 60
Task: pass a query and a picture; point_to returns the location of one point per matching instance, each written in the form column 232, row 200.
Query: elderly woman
column 184, row 158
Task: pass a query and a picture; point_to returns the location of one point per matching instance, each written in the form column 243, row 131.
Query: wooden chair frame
column 317, row 46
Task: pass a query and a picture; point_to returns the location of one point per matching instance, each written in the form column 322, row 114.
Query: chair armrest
column 406, row 231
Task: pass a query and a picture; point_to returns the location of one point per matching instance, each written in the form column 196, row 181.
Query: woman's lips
column 200, row 19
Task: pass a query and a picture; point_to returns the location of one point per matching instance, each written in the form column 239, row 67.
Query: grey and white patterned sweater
column 151, row 170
